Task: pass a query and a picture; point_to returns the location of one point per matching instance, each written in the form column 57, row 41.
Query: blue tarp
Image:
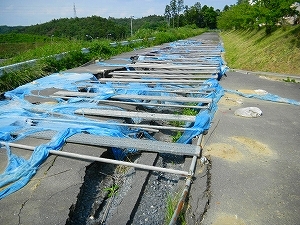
column 266, row 97
column 21, row 118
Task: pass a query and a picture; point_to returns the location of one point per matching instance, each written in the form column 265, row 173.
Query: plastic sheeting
column 19, row 118
column 266, row 96
column 250, row 112
column 204, row 118
column 180, row 50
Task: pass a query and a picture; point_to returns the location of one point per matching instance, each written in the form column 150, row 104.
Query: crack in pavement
column 34, row 188
column 196, row 213
column 60, row 191
column 20, row 211
column 207, row 193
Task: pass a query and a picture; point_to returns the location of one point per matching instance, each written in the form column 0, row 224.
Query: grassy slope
column 253, row 51
column 99, row 49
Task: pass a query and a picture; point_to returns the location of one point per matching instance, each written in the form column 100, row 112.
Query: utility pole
column 74, row 8
column 131, row 24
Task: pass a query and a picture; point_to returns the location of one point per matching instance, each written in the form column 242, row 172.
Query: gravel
column 95, row 207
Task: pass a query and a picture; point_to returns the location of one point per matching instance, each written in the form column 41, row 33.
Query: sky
column 31, row 12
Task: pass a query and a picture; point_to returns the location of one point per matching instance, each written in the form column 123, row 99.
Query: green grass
column 42, row 48
column 112, row 191
column 187, row 112
column 254, row 51
column 14, row 79
column 39, row 50
column 288, row 79
column 172, row 201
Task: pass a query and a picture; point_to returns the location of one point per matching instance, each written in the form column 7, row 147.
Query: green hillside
column 255, row 51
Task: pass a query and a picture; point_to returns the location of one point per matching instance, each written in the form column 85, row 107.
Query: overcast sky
column 30, row 12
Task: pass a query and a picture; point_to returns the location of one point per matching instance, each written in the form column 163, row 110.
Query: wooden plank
column 166, row 90
column 187, row 59
column 125, row 143
column 199, row 72
column 127, row 114
column 164, row 98
column 172, row 89
column 150, row 81
column 152, row 128
column 141, row 97
column 171, row 66
column 180, row 62
column 197, row 54
column 145, row 103
column 162, row 76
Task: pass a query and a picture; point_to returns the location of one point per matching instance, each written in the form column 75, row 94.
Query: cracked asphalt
column 254, row 161
column 251, row 178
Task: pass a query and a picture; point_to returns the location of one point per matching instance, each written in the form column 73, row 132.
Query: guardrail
column 20, row 65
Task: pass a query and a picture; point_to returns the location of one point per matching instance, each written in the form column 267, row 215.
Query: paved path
column 254, row 161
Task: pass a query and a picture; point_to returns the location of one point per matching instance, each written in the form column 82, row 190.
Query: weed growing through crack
column 112, row 191
column 187, row 112
column 176, row 136
column 288, row 79
column 172, row 201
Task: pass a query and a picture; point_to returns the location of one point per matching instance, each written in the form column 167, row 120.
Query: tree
column 272, row 11
column 226, row 8
column 179, row 9
column 193, row 15
column 266, row 13
column 173, row 7
column 209, row 17
column 242, row 16
column 168, row 14
column 198, row 6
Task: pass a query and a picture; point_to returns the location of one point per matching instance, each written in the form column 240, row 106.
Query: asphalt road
column 254, row 161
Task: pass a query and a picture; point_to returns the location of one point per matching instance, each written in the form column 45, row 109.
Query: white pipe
column 187, row 186
column 99, row 159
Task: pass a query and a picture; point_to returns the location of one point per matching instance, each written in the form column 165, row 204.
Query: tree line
column 177, row 14
column 245, row 14
column 268, row 14
column 89, row 28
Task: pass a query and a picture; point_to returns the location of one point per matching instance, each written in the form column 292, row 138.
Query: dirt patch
column 247, row 91
column 272, row 78
column 230, row 100
column 228, row 220
column 253, row 92
column 254, row 146
column 224, row 151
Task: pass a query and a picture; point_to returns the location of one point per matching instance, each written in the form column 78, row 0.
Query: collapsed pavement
column 52, row 182
column 67, row 190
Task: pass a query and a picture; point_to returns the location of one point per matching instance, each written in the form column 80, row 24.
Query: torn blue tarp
column 66, row 81
column 19, row 118
column 204, row 118
column 266, row 97
column 19, row 170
